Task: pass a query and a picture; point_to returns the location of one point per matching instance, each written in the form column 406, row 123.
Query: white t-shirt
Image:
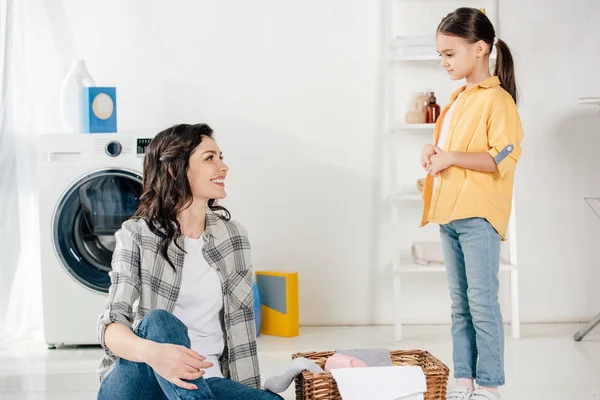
column 199, row 305
column 444, row 135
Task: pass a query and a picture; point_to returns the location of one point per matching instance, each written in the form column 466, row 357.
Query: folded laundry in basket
column 427, row 253
column 381, row 383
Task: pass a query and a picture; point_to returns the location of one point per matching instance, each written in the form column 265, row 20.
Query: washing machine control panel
column 113, row 148
column 120, row 147
column 142, row 143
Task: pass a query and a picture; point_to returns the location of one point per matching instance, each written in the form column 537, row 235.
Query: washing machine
column 89, row 185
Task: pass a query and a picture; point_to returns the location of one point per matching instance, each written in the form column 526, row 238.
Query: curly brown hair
column 166, row 189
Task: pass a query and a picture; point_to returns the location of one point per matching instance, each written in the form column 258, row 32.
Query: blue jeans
column 131, row 380
column 472, row 256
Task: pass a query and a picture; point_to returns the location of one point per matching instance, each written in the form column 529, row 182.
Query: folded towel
column 427, row 253
column 381, row 383
column 371, row 357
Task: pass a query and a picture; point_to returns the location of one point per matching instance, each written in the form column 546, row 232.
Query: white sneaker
column 480, row 394
column 460, row 393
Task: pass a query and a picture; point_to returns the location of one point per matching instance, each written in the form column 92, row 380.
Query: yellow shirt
column 485, row 119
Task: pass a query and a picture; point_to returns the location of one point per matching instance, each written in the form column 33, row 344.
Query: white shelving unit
column 424, row 128
column 428, row 57
column 407, row 196
column 399, row 132
column 410, row 268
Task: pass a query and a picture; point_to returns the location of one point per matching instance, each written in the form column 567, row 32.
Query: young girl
column 468, row 192
column 179, row 320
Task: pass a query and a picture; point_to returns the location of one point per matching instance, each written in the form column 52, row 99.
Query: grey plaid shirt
column 143, row 281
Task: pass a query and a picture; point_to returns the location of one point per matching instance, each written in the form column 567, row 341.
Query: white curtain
column 20, row 281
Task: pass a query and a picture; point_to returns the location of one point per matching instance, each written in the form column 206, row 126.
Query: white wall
column 557, row 55
column 291, row 90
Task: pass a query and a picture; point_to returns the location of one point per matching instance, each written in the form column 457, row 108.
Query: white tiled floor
column 544, row 364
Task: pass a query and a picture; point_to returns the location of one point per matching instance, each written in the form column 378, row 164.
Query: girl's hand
column 439, row 161
column 176, row 363
column 428, row 151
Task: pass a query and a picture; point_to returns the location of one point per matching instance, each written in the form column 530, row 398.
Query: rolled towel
column 427, row 253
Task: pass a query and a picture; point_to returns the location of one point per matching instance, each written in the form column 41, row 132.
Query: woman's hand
column 439, row 161
column 176, row 363
column 428, row 151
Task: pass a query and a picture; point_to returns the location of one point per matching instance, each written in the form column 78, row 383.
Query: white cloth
column 444, row 135
column 381, row 383
column 427, row 253
column 199, row 306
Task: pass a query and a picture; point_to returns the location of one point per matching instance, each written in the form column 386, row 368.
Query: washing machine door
column 86, row 219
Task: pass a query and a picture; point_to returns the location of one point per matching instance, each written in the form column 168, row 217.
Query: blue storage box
column 99, row 109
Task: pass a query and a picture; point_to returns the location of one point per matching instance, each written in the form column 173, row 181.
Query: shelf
column 408, row 196
column 414, row 127
column 589, row 100
column 431, row 55
column 411, row 268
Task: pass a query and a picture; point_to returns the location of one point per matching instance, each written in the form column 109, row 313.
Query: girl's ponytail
column 505, row 69
column 473, row 25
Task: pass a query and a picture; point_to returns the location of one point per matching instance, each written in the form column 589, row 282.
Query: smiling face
column 458, row 57
column 207, row 172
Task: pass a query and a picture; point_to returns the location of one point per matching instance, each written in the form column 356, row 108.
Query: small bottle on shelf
column 423, row 100
column 416, row 108
column 432, row 111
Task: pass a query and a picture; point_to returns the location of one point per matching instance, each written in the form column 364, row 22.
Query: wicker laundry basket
column 322, row 386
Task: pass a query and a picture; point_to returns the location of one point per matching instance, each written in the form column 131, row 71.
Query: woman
column 179, row 321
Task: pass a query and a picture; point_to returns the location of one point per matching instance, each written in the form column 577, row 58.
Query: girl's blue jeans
column 472, row 256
